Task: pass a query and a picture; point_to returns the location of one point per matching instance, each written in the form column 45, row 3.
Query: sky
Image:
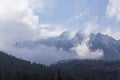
column 22, row 20
column 56, row 16
column 73, row 14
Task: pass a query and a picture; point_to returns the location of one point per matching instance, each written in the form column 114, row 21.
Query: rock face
column 109, row 45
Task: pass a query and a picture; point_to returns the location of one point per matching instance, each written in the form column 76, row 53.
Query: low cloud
column 113, row 33
column 42, row 54
column 83, row 50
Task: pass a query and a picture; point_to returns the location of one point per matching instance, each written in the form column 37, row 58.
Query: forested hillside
column 12, row 68
column 89, row 69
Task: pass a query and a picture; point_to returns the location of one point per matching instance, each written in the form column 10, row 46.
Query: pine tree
column 57, row 75
column 69, row 78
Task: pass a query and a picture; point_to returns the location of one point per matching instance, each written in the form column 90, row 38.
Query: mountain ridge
column 109, row 45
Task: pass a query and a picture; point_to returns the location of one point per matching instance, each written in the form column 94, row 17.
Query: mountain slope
column 10, row 63
column 12, row 68
column 91, row 69
column 109, row 45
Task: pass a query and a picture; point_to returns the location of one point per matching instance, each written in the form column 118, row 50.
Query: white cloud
column 43, row 6
column 19, row 22
column 85, row 53
column 83, row 50
column 89, row 28
column 113, row 9
column 12, row 25
column 75, row 18
column 112, row 32
column 48, row 31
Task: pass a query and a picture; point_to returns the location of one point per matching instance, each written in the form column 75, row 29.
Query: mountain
column 62, row 41
column 109, row 45
column 119, row 41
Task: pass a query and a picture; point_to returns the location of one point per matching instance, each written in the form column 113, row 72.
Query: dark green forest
column 12, row 68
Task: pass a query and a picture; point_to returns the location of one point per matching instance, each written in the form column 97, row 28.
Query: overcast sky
column 22, row 20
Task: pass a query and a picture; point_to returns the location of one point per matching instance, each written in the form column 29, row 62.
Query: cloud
column 21, row 23
column 83, row 50
column 42, row 54
column 42, row 6
column 112, row 32
column 113, row 9
column 85, row 53
column 17, row 23
column 75, row 18
column 47, row 30
column 89, row 28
